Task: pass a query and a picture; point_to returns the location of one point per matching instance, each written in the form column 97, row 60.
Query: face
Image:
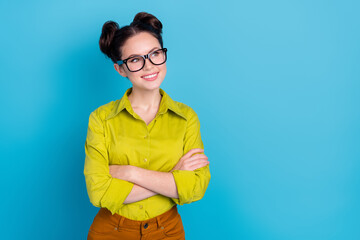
column 141, row 44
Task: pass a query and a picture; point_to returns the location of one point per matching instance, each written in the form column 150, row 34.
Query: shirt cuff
column 185, row 182
column 116, row 194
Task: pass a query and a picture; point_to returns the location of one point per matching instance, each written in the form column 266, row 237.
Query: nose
column 148, row 64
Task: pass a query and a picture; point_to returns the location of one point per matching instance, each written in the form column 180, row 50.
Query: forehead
column 139, row 44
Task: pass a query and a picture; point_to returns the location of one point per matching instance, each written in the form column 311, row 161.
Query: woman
column 144, row 153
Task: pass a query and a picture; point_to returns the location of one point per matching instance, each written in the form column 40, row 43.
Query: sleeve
column 104, row 191
column 191, row 185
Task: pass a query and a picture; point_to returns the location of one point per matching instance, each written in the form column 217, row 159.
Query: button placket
column 147, row 144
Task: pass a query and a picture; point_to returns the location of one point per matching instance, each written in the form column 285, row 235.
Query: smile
column 150, row 77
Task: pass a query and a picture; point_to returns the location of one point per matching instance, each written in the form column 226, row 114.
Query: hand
column 120, row 171
column 191, row 162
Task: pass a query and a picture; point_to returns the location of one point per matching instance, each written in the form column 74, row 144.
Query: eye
column 134, row 59
column 156, row 53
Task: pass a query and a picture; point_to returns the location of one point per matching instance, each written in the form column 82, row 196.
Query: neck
column 145, row 99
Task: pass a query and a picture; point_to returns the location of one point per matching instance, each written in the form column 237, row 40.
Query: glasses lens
column 158, row 57
column 135, row 63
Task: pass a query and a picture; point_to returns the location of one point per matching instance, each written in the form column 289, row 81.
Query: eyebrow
column 141, row 55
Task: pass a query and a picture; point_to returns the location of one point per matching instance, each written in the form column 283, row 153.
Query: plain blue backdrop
column 275, row 84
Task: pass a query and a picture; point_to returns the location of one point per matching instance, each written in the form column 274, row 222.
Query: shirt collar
column 165, row 104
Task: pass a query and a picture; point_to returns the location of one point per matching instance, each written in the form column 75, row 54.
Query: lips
column 150, row 77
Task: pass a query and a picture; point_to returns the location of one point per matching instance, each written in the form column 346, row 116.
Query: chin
column 149, row 87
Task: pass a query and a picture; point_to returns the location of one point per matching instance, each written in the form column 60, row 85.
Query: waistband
column 145, row 225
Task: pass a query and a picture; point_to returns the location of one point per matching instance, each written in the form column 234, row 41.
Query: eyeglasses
column 136, row 63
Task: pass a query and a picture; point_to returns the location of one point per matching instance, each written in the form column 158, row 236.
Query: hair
column 113, row 38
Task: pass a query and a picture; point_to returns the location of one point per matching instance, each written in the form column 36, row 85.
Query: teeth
column 150, row 76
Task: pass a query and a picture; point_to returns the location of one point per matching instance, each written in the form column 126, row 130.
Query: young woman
column 144, row 153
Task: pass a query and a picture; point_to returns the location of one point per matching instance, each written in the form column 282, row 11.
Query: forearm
column 138, row 193
column 160, row 182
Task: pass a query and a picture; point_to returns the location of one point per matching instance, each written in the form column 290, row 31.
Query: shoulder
column 186, row 110
column 104, row 110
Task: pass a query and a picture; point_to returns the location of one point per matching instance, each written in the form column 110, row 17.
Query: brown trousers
column 114, row 227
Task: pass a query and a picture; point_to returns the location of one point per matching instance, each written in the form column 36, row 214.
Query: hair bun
column 113, row 38
column 144, row 18
column 107, row 35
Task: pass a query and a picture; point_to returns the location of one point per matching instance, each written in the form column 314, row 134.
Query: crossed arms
column 148, row 183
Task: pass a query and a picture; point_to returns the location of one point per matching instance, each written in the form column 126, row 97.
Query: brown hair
column 113, row 38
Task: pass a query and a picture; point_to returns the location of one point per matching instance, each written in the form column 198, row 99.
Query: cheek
column 134, row 75
column 163, row 68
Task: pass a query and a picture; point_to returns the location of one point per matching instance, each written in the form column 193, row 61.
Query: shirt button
column 146, row 136
column 145, row 160
column 146, row 225
column 141, row 206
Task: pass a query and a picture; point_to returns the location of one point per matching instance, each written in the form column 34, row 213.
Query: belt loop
column 158, row 222
column 121, row 221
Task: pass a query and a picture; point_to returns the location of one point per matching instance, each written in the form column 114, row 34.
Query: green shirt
column 117, row 135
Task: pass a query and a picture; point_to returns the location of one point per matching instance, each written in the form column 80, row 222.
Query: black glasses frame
column 146, row 56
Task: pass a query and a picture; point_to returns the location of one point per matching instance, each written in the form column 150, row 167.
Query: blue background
column 275, row 85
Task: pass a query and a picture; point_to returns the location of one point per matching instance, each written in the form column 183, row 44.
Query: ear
column 120, row 69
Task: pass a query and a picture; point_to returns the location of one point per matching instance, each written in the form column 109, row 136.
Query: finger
column 197, row 156
column 191, row 161
column 198, row 161
column 194, row 159
column 198, row 165
column 193, row 151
